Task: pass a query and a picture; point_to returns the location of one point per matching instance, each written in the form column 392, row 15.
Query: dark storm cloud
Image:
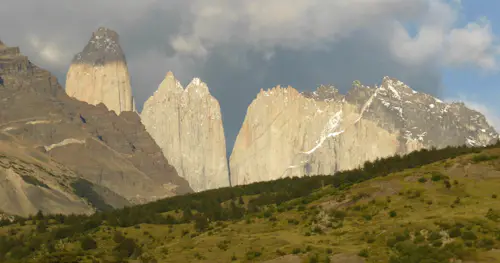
column 238, row 47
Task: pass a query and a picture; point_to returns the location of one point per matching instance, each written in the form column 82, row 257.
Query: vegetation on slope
column 428, row 206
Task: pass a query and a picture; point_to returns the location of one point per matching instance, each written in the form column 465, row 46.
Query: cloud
column 241, row 46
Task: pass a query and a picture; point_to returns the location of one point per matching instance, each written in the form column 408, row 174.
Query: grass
column 396, row 218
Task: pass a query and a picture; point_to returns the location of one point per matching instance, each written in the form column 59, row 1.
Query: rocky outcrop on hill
column 287, row 133
column 111, row 160
column 187, row 125
column 99, row 73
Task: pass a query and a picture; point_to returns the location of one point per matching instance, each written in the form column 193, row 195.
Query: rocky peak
column 187, row 125
column 18, row 72
column 100, row 74
column 102, row 47
column 196, row 86
column 279, row 91
column 306, row 137
column 324, row 93
column 169, row 85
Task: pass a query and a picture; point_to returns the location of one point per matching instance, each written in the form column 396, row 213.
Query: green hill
column 428, row 206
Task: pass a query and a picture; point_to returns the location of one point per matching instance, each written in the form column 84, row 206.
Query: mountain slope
column 287, row 133
column 114, row 153
column 442, row 211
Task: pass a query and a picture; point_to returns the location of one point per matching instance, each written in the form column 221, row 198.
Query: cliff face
column 99, row 73
column 115, row 155
column 187, row 125
column 287, row 133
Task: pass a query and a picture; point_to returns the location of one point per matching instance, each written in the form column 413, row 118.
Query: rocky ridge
column 115, row 155
column 187, row 125
column 288, row 133
column 99, row 73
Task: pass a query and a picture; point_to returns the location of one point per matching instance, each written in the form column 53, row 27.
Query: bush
column 422, row 179
column 118, row 237
column 253, row 254
column 478, row 158
column 87, row 243
column 393, row 213
column 363, row 253
column 128, row 248
column 468, row 235
column 493, row 215
column 437, row 176
column 455, row 232
column 485, row 243
column 437, row 243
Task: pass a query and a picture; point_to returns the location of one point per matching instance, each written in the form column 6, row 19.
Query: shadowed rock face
column 287, row 133
column 99, row 73
column 110, row 151
column 187, row 125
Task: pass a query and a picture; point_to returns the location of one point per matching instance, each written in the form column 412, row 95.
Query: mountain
column 64, row 155
column 99, row 73
column 287, row 133
column 187, row 125
column 429, row 206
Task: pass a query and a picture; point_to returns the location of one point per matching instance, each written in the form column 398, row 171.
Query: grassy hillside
column 429, row 206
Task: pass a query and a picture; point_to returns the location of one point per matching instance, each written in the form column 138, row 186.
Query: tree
column 201, row 222
column 39, row 215
column 41, row 227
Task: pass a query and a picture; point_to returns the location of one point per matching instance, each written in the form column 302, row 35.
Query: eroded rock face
column 187, row 125
column 99, row 73
column 114, row 153
column 287, row 133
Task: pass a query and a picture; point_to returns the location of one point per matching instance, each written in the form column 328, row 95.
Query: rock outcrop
column 187, row 125
column 287, row 133
column 111, row 158
column 99, row 73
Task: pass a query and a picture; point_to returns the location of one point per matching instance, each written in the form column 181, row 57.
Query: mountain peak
column 103, row 47
column 323, row 92
column 197, row 86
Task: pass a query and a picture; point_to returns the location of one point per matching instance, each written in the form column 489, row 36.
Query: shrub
column 485, row 243
column 437, row 176
column 478, row 158
column 468, row 235
column 393, row 213
column 493, row 215
column 128, row 248
column 455, row 232
column 87, row 243
column 363, row 253
column 253, row 254
column 437, row 243
column 118, row 237
column 422, row 179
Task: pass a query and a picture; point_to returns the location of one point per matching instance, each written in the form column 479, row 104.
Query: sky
column 447, row 48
